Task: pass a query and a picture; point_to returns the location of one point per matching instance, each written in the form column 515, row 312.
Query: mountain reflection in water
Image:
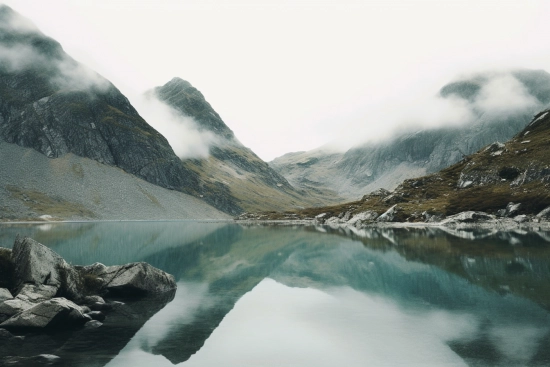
column 306, row 296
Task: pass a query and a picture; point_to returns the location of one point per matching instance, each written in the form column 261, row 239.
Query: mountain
column 35, row 187
column 55, row 106
column 502, row 179
column 385, row 164
column 231, row 166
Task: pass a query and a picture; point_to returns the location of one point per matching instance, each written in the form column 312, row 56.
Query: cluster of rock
column 44, row 291
column 508, row 215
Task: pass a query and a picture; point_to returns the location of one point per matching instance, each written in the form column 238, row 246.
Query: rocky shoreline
column 369, row 219
column 41, row 294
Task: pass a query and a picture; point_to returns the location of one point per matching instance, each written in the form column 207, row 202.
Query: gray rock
column 90, row 300
column 93, row 324
column 333, row 221
column 97, row 315
column 13, row 306
column 47, row 314
column 29, row 296
column 368, row 215
column 512, row 209
column 36, row 263
column 137, row 279
column 36, row 293
column 521, row 218
column 389, row 215
column 467, row 217
column 5, row 294
column 544, row 214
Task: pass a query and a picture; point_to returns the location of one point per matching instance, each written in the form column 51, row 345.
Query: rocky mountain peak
column 179, row 83
column 51, row 103
column 189, row 101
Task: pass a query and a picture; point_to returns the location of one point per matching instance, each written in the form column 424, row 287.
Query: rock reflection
column 330, row 296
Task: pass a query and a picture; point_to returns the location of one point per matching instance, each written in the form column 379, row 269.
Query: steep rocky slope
column 35, row 187
column 384, row 165
column 54, row 105
column 231, row 166
column 494, row 180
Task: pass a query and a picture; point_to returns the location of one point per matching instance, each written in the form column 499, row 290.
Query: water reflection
column 269, row 296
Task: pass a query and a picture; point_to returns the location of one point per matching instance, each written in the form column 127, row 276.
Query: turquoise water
column 306, row 296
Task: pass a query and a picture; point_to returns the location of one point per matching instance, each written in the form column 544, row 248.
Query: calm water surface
column 306, row 296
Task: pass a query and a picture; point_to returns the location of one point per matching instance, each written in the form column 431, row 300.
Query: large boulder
column 6, row 269
column 36, row 263
column 5, row 294
column 47, row 314
column 139, row 279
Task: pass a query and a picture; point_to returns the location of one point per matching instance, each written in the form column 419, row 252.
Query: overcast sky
column 294, row 75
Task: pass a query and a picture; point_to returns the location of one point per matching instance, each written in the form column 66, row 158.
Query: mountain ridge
column 372, row 166
column 56, row 106
column 501, row 179
column 244, row 176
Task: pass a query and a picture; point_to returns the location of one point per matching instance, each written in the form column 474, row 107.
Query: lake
column 251, row 295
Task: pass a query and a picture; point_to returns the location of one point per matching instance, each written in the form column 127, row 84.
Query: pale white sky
column 294, row 75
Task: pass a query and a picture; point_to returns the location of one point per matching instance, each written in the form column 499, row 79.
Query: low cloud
column 20, row 57
column 19, row 52
column 66, row 73
column 504, row 94
column 13, row 22
column 182, row 132
column 75, row 76
column 500, row 94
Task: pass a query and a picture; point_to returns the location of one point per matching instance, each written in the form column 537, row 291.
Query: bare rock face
column 36, row 293
column 5, row 294
column 389, row 215
column 42, row 278
column 36, row 264
column 467, row 217
column 544, row 214
column 135, row 278
column 47, row 314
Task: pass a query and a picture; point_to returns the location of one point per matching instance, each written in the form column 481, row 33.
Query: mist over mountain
column 494, row 107
column 56, row 106
column 506, row 180
column 229, row 164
